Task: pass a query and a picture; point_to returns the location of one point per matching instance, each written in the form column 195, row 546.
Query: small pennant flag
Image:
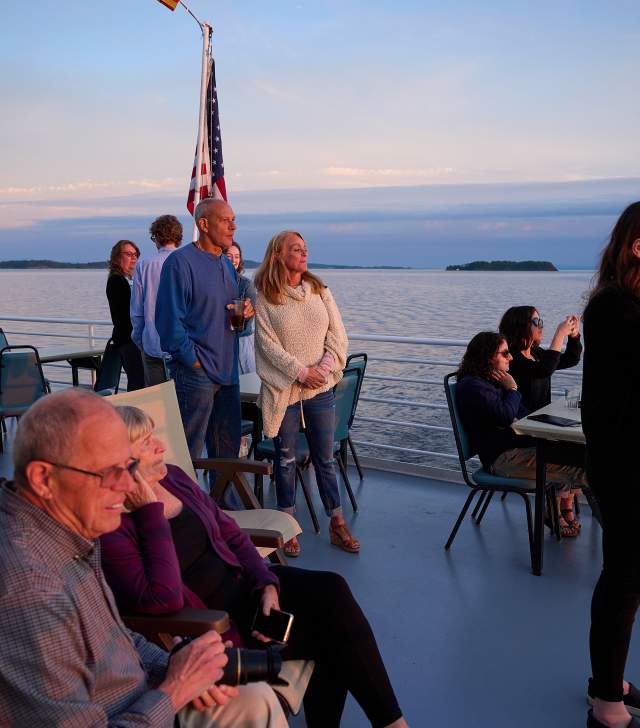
column 171, row 4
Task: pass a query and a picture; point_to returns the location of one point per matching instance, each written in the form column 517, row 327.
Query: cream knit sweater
column 289, row 337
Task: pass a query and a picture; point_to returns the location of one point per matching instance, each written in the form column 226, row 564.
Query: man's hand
column 268, row 601
column 142, row 495
column 216, row 695
column 194, row 670
column 197, row 365
column 314, row 379
column 504, row 379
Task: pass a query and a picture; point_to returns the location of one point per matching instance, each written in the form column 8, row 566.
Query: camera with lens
column 245, row 666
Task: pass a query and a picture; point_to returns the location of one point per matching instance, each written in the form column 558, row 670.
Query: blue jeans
column 210, row 413
column 319, row 416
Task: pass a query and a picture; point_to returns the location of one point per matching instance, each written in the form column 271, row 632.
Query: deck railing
column 402, row 421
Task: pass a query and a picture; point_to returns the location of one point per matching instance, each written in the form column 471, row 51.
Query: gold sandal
column 292, row 548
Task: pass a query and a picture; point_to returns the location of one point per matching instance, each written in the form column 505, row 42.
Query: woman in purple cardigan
column 175, row 548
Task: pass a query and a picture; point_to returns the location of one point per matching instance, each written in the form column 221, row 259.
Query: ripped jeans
column 319, row 417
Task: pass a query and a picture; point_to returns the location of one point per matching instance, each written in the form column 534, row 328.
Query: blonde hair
column 138, row 422
column 271, row 277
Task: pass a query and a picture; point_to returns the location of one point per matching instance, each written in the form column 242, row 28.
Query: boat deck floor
column 470, row 638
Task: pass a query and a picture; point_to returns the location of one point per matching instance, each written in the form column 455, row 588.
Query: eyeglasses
column 127, row 254
column 537, row 322
column 299, row 251
column 506, row 353
column 108, row 476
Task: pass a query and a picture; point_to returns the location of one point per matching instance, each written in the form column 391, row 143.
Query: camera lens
column 245, row 666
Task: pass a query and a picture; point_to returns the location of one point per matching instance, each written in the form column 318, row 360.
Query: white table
column 554, row 444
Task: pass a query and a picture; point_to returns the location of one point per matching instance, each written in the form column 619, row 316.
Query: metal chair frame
column 521, row 487
column 362, row 364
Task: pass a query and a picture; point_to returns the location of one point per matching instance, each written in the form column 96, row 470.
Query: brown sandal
column 340, row 536
column 292, row 548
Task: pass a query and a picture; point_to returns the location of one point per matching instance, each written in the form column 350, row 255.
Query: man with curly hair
column 166, row 233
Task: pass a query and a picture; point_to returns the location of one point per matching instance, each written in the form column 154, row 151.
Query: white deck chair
column 161, row 404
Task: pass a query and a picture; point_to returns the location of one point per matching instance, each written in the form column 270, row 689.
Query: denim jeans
column 210, row 413
column 319, row 416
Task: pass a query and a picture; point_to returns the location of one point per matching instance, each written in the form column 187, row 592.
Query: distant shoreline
column 505, row 265
column 102, row 265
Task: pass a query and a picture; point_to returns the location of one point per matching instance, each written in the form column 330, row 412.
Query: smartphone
column 553, row 420
column 276, row 626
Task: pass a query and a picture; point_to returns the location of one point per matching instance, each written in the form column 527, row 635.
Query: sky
column 408, row 133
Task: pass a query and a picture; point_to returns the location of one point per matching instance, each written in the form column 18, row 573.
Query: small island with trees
column 517, row 265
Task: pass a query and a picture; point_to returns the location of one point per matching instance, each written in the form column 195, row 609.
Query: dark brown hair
column 618, row 264
column 240, row 268
column 166, row 230
column 114, row 262
column 476, row 361
column 515, row 326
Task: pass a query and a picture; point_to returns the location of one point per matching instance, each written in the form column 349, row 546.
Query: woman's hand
column 268, row 601
column 314, row 379
column 565, row 327
column 142, row 495
column 504, row 379
column 249, row 311
column 575, row 326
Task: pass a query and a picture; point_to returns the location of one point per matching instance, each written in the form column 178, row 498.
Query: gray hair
column 50, row 427
column 202, row 208
column 139, row 423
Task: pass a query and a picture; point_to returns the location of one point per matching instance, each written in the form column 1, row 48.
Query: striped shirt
column 66, row 658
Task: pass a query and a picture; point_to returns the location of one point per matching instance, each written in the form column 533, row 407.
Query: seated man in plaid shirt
column 66, row 658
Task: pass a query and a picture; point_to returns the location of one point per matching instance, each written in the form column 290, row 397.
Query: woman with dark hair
column 489, row 401
column 532, row 366
column 246, row 345
column 175, row 548
column 611, row 424
column 122, row 263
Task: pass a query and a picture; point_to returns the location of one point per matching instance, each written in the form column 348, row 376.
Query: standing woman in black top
column 122, row 263
column 532, row 366
column 611, row 423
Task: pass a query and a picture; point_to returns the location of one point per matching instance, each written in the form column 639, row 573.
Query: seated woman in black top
column 122, row 263
column 532, row 366
column 489, row 401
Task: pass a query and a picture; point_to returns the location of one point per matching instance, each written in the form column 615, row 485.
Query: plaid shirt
column 66, row 658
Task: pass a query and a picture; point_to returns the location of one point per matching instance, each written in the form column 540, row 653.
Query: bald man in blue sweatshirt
column 197, row 284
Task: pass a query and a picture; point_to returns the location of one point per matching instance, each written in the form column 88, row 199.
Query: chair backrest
column 22, row 381
column 3, row 340
column 357, row 360
column 465, row 452
column 108, row 376
column 345, row 393
column 161, row 404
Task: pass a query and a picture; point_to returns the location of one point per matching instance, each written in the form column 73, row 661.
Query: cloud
column 430, row 173
column 87, row 187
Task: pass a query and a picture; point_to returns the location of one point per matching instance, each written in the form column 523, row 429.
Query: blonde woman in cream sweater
column 301, row 348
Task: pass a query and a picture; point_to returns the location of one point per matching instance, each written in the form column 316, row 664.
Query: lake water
column 422, row 304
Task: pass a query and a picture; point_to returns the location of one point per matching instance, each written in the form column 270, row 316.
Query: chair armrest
column 265, row 537
column 233, row 465
column 187, row 622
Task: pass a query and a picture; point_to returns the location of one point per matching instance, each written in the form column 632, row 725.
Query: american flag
column 211, row 178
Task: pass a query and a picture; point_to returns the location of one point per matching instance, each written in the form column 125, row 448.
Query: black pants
column 614, row 482
column 132, row 364
column 330, row 628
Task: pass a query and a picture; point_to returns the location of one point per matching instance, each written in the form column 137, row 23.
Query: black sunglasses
column 537, row 322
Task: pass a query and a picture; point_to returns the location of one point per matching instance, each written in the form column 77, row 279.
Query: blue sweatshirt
column 487, row 411
column 191, row 316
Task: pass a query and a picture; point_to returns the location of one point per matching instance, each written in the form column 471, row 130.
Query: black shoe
column 631, row 699
column 595, row 723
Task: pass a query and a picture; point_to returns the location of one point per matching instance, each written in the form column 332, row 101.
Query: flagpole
column 206, row 44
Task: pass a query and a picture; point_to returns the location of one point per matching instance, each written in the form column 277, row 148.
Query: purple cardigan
column 140, row 560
